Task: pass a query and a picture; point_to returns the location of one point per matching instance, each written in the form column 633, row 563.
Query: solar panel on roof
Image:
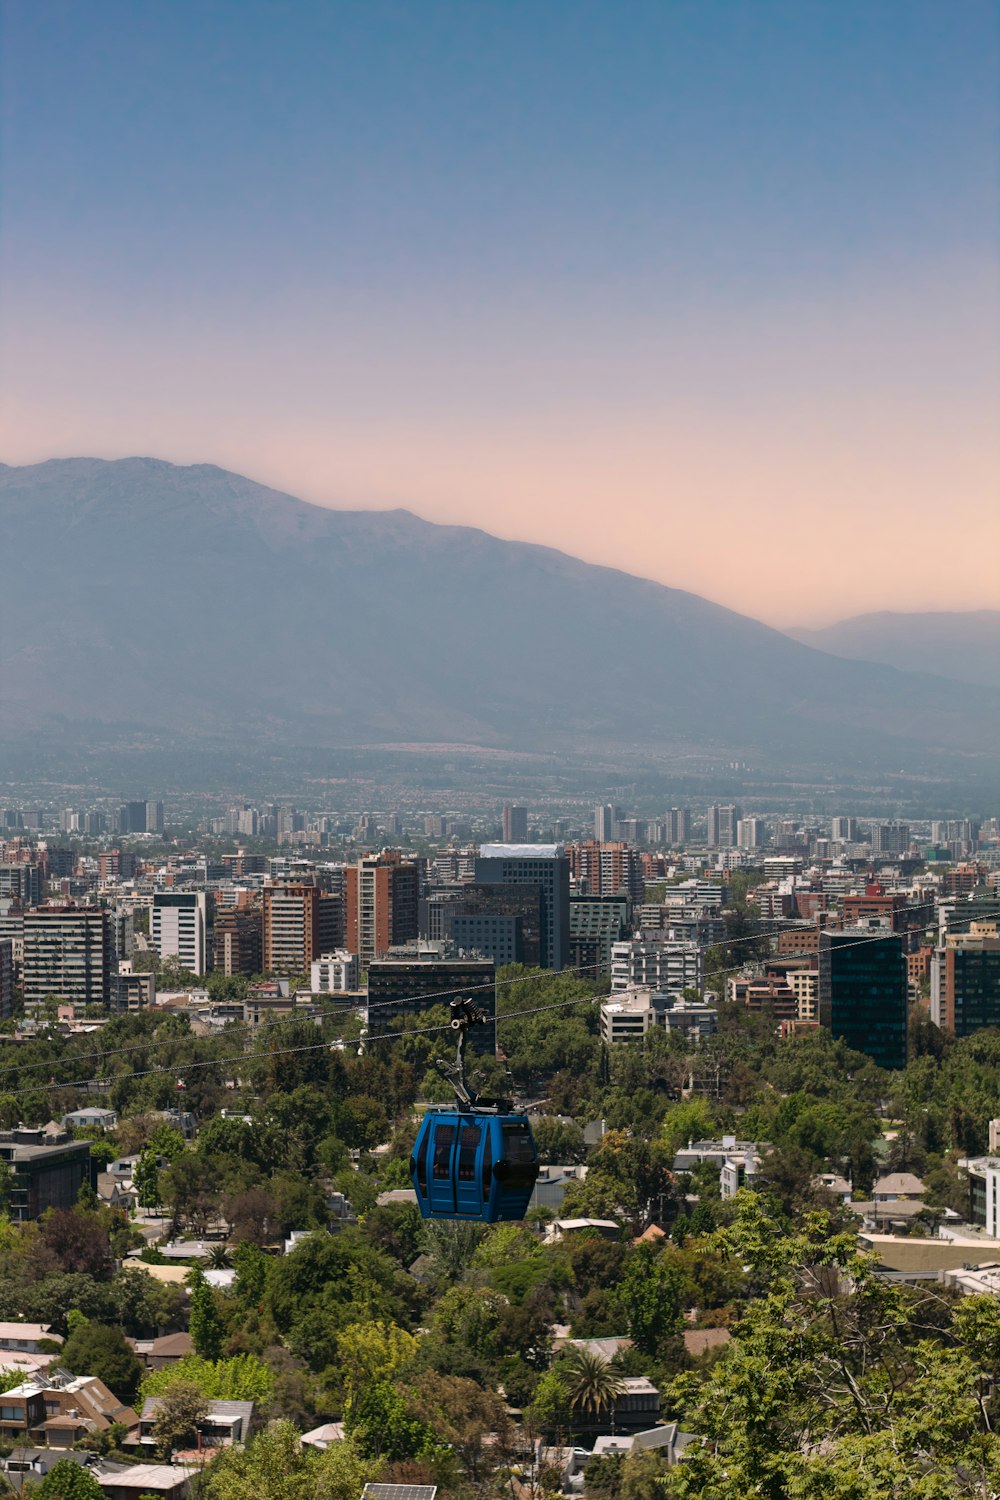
column 399, row 1491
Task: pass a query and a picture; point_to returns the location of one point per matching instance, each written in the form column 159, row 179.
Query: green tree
column 180, row 1411
column 67, row 1481
column 371, row 1352
column 649, row 1297
column 592, row 1384
column 94, row 1349
column 244, row 1377
column 147, row 1179
column 205, row 1326
column 274, row 1466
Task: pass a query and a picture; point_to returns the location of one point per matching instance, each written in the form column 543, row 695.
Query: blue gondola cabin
column 473, row 1165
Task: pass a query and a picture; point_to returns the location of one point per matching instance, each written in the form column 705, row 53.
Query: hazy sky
column 706, row 290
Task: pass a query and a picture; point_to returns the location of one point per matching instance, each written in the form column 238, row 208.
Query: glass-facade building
column 863, row 992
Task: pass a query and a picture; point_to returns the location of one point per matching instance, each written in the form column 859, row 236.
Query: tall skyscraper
column 381, row 894
column 154, row 817
column 863, row 991
column 721, row 825
column 515, row 825
column 678, row 825
column 131, row 818
column 178, row 928
column 545, row 866
column 844, row 830
column 604, row 823
column 67, row 953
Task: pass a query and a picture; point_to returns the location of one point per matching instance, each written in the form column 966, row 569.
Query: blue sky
column 525, row 266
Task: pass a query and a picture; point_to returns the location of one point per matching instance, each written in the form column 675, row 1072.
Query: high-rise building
column 299, row 923
column 154, row 817
column 721, row 825
column 22, row 883
column 965, row 981
column 751, row 833
column 409, row 985
column 595, row 923
column 543, row 865
column 502, row 922
column 6, row 979
column 238, row 940
column 844, row 830
column 178, row 928
column 94, row 824
column 515, row 825
column 863, row 990
column 606, row 869
column 131, row 818
column 67, row 953
column 604, row 823
column 677, row 825
column 69, row 820
column 889, row 838
column 381, row 893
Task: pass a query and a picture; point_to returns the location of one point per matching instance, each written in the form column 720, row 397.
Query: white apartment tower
column 178, row 924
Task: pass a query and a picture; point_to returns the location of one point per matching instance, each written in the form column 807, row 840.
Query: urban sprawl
column 757, row 1055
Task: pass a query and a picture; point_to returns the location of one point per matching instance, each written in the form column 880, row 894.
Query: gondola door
column 468, row 1164
column 441, row 1155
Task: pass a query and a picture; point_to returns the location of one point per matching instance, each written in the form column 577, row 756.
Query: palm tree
column 593, row 1385
column 218, row 1258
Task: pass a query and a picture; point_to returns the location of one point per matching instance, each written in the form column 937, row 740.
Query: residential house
column 227, row 1424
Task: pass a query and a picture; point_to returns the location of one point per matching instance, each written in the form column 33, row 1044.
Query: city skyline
column 705, row 295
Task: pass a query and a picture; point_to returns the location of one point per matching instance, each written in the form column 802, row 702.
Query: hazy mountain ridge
column 193, row 600
column 962, row 645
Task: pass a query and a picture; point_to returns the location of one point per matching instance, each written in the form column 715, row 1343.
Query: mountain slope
column 195, row 601
column 964, row 646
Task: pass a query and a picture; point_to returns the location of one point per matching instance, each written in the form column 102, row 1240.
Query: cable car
column 474, row 1165
column 477, row 1159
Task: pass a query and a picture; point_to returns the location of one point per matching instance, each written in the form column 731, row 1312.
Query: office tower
column 595, row 923
column 863, row 990
column 178, row 928
column 844, row 830
column 494, row 921
column 435, row 827
column 154, row 817
column 751, row 833
column 131, row 818
column 6, row 979
column 515, row 825
column 965, row 980
column 604, row 823
column 299, row 923
column 546, row 867
column 69, row 820
column 721, row 824
column 677, row 825
column 21, row 883
column 406, row 987
column 238, row 940
column 67, row 953
column 381, row 893
column 94, row 824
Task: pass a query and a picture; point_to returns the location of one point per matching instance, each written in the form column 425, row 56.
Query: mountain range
column 189, row 601
column 964, row 645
